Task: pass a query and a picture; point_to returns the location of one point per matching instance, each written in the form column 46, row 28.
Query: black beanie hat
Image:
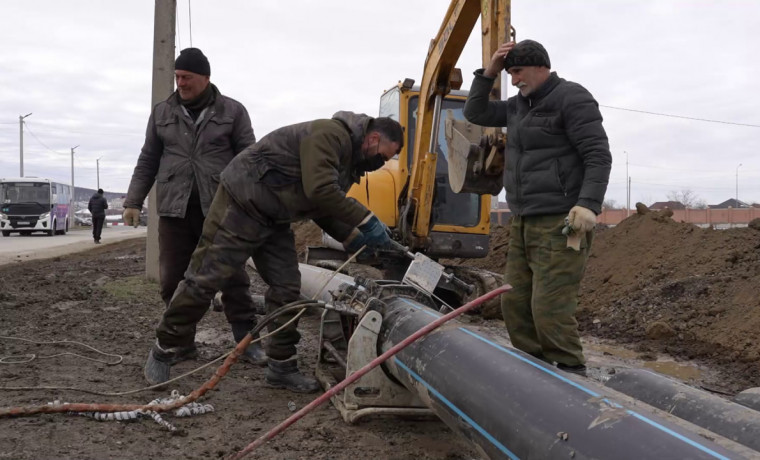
column 193, row 60
column 527, row 53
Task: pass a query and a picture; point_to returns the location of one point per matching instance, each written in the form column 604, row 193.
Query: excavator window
column 449, row 208
column 390, row 104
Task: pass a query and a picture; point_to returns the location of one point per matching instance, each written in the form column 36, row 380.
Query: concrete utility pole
column 163, row 84
column 73, row 192
column 97, row 168
column 21, row 143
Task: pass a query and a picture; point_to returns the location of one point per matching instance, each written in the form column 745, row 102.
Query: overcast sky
column 83, row 69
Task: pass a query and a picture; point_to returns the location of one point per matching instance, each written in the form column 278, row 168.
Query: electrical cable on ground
column 164, row 384
column 31, row 356
column 230, row 358
column 361, row 372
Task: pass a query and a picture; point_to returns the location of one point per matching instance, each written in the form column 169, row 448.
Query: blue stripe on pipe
column 456, row 410
column 576, row 385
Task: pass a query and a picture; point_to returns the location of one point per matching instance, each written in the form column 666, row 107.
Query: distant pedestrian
column 97, row 207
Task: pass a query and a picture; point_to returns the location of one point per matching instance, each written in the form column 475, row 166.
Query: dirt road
column 18, row 248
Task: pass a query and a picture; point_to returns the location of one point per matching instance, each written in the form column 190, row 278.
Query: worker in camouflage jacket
column 556, row 173
column 297, row 172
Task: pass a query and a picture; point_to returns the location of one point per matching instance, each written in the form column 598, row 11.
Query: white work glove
column 581, row 219
column 131, row 216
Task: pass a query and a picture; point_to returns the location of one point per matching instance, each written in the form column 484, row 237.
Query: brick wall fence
column 729, row 216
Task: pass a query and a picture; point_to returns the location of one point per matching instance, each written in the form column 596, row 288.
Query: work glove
column 131, row 216
column 581, row 219
column 355, row 241
column 375, row 233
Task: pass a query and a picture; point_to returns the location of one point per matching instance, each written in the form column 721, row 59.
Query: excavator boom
column 443, row 54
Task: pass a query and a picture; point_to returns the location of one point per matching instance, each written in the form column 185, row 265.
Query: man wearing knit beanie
column 557, row 167
column 191, row 137
column 192, row 72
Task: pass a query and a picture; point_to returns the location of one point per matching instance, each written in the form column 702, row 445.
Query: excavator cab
column 459, row 222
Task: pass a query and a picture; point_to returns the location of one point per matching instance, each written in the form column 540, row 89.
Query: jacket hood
column 357, row 124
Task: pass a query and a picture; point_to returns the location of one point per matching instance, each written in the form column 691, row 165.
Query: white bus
column 31, row 204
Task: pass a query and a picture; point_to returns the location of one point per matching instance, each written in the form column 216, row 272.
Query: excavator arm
column 436, row 83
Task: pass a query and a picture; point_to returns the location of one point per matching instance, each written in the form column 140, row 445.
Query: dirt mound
column 674, row 287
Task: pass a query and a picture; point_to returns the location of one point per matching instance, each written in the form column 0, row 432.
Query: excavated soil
column 654, row 287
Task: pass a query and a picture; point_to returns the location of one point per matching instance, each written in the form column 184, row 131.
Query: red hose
column 373, row 364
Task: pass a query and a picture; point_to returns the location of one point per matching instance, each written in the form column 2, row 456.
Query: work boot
column 160, row 360
column 254, row 354
column 285, row 374
column 578, row 369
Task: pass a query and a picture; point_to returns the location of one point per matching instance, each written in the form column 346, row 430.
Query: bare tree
column 687, row 198
column 610, row 204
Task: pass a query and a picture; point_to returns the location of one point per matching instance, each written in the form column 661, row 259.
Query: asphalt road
column 16, row 248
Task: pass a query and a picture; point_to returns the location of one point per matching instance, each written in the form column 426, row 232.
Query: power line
column 40, row 141
column 680, row 116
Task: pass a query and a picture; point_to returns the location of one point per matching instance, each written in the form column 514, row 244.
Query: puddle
column 678, row 370
column 606, row 354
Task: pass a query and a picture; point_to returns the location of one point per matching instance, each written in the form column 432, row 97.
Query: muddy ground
column 655, row 290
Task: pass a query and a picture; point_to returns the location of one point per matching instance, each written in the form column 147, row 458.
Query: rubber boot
column 160, row 360
column 254, row 354
column 578, row 369
column 285, row 374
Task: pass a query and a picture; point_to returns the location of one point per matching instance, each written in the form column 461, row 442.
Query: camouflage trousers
column 545, row 275
column 230, row 236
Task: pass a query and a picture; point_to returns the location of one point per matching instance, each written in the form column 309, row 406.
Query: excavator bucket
column 476, row 159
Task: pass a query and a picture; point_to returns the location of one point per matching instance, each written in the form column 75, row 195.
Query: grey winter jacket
column 558, row 155
column 178, row 151
column 303, row 171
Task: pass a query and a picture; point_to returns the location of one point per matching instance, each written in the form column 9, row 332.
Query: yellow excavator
column 436, row 195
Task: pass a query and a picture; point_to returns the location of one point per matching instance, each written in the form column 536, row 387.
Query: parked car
column 83, row 221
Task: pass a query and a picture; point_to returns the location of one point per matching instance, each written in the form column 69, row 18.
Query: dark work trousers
column 97, row 226
column 177, row 239
column 545, row 275
column 231, row 235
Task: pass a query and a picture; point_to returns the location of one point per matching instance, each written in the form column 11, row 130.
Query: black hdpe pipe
column 511, row 405
column 728, row 419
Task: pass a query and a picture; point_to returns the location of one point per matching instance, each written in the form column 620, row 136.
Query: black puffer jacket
column 558, row 155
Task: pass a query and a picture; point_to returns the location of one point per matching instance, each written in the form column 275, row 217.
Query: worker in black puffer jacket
column 557, row 168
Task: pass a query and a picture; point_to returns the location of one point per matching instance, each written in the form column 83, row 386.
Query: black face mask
column 372, row 163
